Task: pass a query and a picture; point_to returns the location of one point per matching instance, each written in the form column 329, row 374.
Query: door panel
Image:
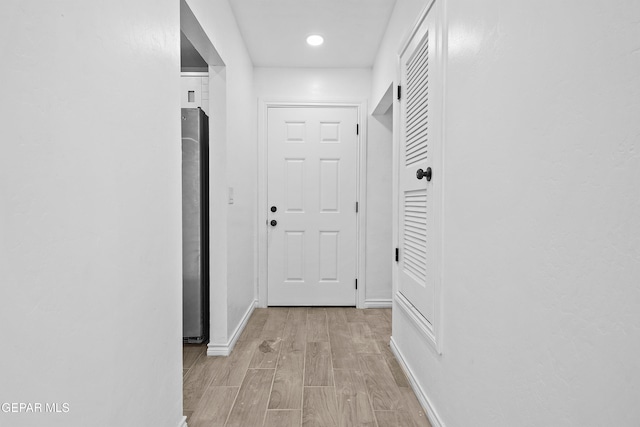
column 420, row 147
column 294, row 256
column 329, row 185
column 312, row 169
column 329, row 255
column 294, row 190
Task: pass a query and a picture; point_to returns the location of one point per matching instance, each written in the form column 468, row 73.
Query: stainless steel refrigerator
column 195, row 225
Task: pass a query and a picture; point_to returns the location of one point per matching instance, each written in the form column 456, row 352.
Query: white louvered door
column 420, row 142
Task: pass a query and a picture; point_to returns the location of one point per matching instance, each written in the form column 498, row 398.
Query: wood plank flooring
column 303, row 367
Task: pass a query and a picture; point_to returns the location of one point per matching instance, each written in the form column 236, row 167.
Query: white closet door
column 419, row 176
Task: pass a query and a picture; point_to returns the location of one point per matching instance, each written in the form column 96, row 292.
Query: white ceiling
column 275, row 31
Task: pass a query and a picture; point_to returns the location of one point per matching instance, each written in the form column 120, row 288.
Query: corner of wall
column 226, row 348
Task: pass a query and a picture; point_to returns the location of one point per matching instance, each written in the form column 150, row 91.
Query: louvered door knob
column 424, row 174
column 273, row 223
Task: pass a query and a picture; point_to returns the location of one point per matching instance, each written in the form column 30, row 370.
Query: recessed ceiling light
column 315, row 40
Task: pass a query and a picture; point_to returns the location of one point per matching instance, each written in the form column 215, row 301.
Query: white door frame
column 262, row 202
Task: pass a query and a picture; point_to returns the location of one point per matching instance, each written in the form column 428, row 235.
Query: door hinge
column 399, row 92
column 357, row 129
column 356, row 283
column 357, row 207
column 397, row 254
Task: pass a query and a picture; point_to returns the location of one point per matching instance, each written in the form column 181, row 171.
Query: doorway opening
column 204, row 94
column 194, row 81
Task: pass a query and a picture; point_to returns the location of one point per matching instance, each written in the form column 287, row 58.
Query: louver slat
column 415, row 231
column 416, row 124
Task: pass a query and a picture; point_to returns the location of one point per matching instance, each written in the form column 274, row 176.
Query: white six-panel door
column 312, row 167
column 419, row 176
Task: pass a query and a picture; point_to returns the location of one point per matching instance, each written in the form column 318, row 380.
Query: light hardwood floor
column 308, row 367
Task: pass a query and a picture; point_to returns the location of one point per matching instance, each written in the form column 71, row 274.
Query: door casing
column 262, row 202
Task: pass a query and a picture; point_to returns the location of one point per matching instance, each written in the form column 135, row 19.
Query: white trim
column 424, row 400
column 218, row 350
column 418, row 320
column 414, row 29
column 261, row 217
column 378, row 303
column 183, row 422
column 443, row 28
column 361, row 196
column 225, row 349
column 262, row 202
column 194, row 74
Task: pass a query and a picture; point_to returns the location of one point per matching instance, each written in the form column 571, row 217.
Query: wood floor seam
column 272, row 381
column 303, row 367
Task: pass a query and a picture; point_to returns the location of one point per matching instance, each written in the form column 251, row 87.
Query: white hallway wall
column 219, row 23
column 541, row 238
column 350, row 85
column 90, row 227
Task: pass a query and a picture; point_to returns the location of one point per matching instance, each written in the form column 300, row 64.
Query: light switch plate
column 230, row 195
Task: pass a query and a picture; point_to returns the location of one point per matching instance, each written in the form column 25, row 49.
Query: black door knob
column 273, row 209
column 273, row 223
column 424, row 174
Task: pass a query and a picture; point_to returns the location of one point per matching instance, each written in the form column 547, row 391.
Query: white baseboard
column 420, row 394
column 218, row 349
column 378, row 303
column 225, row 349
column 183, row 422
